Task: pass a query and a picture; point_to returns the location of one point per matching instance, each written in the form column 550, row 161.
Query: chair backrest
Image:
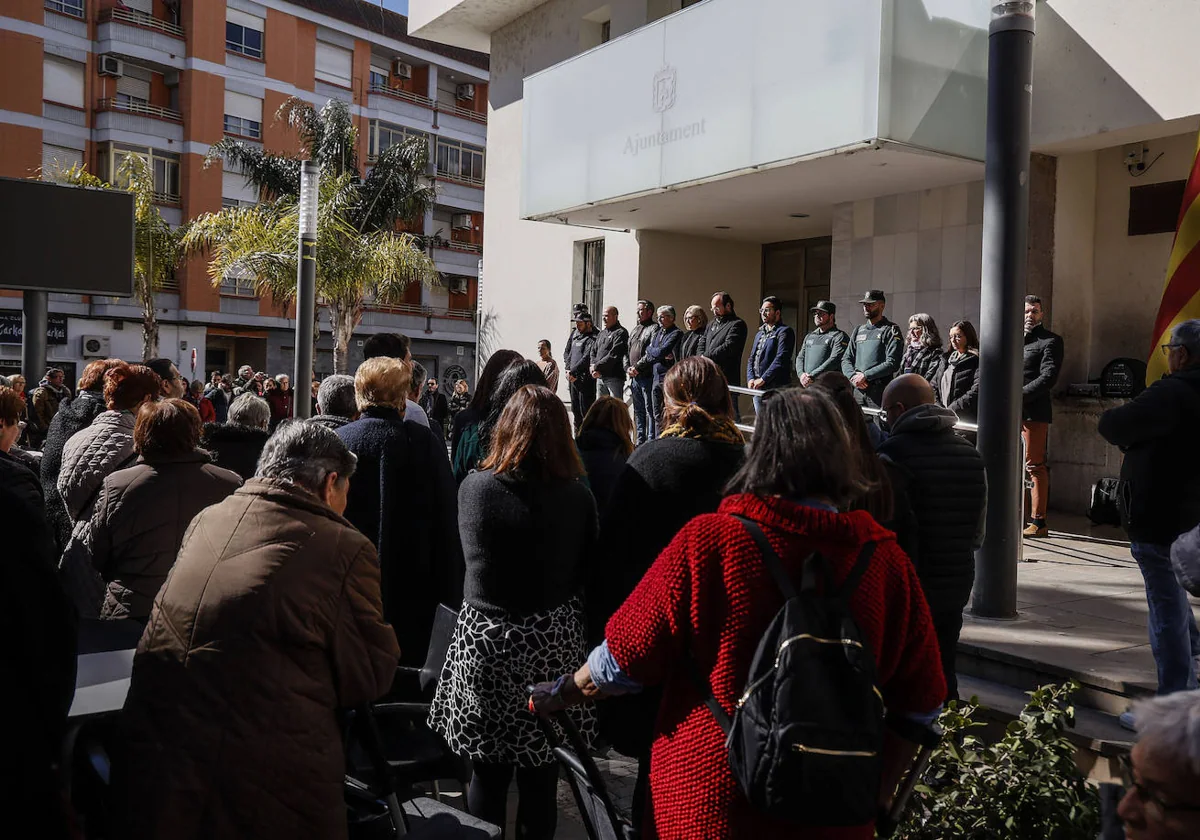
column 601, row 819
column 444, row 622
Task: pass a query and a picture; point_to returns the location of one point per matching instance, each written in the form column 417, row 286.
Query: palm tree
column 359, row 253
column 155, row 244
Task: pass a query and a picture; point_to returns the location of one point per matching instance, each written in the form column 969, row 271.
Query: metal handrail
column 406, row 95
column 462, row 179
column 145, row 109
column 960, row 426
column 419, row 309
column 137, row 18
column 459, row 111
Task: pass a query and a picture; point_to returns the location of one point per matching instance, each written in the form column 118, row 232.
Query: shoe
column 1035, row 530
column 1127, row 721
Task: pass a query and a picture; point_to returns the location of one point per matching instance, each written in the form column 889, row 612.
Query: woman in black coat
column 466, row 422
column 605, row 442
column 665, row 483
column 958, row 389
column 404, row 499
column 694, row 341
column 237, row 445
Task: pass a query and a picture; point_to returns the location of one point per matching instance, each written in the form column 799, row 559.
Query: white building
column 814, row 150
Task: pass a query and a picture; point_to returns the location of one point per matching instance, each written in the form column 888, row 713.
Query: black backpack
column 806, row 741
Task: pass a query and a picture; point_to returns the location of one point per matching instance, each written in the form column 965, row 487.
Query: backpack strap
column 771, row 559
column 702, row 685
column 856, row 572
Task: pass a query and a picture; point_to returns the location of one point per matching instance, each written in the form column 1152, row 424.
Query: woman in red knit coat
column 709, row 596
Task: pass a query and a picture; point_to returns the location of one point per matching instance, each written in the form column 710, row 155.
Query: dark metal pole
column 306, row 290
column 1005, row 230
column 35, row 309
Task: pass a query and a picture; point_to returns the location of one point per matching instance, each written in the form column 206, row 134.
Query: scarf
column 703, row 426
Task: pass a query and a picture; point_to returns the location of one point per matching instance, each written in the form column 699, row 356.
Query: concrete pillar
column 1073, row 307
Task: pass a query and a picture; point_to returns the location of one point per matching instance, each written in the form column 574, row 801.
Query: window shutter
column 135, row 82
column 234, row 185
column 62, row 81
column 57, row 159
column 241, row 105
column 334, row 64
column 146, row 6
column 243, row 19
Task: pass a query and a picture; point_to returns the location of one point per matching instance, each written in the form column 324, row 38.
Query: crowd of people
column 283, row 568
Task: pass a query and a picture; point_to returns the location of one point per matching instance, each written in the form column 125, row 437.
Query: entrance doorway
column 798, row 272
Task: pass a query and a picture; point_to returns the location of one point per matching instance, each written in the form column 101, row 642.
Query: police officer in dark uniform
column 822, row 348
column 876, row 348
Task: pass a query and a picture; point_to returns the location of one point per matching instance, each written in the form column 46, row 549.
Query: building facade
column 819, row 150
column 90, row 81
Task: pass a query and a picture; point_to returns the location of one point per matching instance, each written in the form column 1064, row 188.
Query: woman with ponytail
column 665, row 483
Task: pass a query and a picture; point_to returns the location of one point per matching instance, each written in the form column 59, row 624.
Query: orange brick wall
column 30, row 10
column 204, row 22
column 278, row 136
column 201, row 194
column 202, row 100
column 291, row 46
column 21, row 58
column 20, row 150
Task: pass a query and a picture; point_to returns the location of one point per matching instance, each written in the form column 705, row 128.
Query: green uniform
column 821, row 351
column 875, row 351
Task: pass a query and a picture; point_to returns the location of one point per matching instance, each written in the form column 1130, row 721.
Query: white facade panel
column 57, row 159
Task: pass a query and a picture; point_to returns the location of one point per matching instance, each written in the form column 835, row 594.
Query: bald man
column 940, row 477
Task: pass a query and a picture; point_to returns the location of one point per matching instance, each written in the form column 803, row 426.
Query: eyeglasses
column 1153, row 804
column 766, row 310
column 1167, row 348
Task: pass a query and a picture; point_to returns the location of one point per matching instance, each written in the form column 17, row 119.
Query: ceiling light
column 799, row 215
column 723, row 227
column 606, row 218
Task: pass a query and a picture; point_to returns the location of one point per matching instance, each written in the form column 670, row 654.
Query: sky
column 400, row 6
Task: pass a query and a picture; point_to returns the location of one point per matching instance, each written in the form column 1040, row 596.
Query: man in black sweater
column 612, row 346
column 1043, row 363
column 580, row 353
column 940, row 478
column 1157, row 431
column 725, row 339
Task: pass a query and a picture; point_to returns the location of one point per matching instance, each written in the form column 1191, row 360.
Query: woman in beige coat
column 269, row 622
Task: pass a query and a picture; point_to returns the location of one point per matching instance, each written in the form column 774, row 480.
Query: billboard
column 59, row 238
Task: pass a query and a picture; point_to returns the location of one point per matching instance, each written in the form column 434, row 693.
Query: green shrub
column 1025, row 786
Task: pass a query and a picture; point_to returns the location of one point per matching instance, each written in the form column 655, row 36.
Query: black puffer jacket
column 947, row 489
column 958, row 386
column 1157, row 431
column 74, row 415
column 234, row 446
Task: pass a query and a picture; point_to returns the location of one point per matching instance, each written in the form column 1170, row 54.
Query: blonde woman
column 696, row 322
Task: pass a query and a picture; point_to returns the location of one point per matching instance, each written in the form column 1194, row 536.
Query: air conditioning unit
column 95, row 346
column 171, row 79
column 402, row 69
column 458, row 285
column 110, row 65
column 461, row 221
column 466, row 91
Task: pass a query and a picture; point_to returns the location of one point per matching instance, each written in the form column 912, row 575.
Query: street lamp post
column 306, row 289
column 1005, row 231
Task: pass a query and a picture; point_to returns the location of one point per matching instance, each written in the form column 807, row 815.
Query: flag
column 1181, row 291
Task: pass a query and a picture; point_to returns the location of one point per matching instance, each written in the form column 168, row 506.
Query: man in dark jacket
column 612, row 346
column 725, row 340
column 824, row 347
column 1157, row 431
column 770, row 364
column 405, row 500
column 580, row 353
column 874, row 353
column 1043, row 363
column 435, row 405
column 50, row 393
column 642, row 385
column 941, row 478
column 335, row 402
column 661, row 355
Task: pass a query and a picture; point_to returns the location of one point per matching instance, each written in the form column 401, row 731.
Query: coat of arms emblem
column 664, row 89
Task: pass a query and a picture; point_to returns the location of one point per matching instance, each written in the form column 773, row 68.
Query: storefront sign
column 12, row 331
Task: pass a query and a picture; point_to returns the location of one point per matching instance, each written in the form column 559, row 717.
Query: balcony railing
column 462, row 179
column 461, row 246
column 165, row 198
column 135, row 18
column 465, row 113
column 74, row 8
column 407, row 96
column 418, row 309
column 143, row 108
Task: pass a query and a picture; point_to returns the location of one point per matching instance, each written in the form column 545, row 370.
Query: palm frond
column 337, row 148
column 397, row 187
column 274, row 176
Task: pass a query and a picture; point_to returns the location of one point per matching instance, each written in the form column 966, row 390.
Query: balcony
column 132, row 17
column 144, row 38
column 672, row 118
column 425, row 311
column 141, row 108
column 403, row 95
column 456, row 257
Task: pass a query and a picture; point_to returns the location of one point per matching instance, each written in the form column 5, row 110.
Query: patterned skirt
column 481, row 706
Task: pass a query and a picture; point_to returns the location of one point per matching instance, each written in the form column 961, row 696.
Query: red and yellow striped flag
column 1181, row 291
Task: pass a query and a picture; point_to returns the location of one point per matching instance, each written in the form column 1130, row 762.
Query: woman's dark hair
column 93, row 374
column 877, row 499
column 165, row 428
column 969, row 333
column 392, row 345
column 496, row 365
column 127, row 386
column 800, row 450
column 612, row 414
column 533, row 438
column 513, row 379
column 695, row 391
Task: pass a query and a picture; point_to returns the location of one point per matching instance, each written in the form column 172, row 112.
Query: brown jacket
column 269, row 621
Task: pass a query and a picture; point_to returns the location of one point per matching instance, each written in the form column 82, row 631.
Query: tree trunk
column 344, row 319
column 149, row 322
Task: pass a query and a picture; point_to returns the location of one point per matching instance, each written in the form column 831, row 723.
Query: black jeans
column 947, row 626
column 583, row 394
column 537, row 798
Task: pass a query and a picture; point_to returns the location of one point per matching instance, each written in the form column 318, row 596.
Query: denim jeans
column 613, row 386
column 1174, row 639
column 643, row 408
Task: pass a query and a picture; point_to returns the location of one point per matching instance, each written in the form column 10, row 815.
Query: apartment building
column 665, row 149
column 90, row 81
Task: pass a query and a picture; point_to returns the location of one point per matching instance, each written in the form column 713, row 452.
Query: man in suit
column 770, row 364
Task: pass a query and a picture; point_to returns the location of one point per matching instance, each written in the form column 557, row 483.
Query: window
column 243, row 115
column 1154, row 208
column 334, row 64
column 458, row 160
column 236, row 191
column 383, row 136
column 56, row 159
column 243, row 33
column 62, row 81
column 589, row 274
column 133, row 87
column 379, row 78
column 164, row 165
column 67, row 7
column 238, row 284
